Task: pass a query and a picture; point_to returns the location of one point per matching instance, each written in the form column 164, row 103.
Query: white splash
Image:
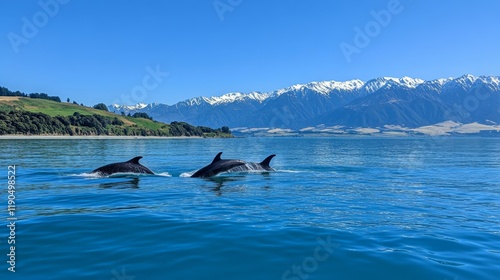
column 187, row 174
column 163, row 174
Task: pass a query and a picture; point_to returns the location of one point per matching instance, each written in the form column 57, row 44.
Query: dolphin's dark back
column 131, row 166
column 265, row 163
column 217, row 166
column 254, row 166
column 135, row 160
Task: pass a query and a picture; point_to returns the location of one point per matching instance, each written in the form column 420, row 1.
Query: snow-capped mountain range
column 382, row 101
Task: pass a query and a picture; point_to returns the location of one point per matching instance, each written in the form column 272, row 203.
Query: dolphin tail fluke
column 135, row 160
column 217, row 158
column 267, row 161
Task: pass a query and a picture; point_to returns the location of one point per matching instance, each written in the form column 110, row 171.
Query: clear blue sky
column 98, row 51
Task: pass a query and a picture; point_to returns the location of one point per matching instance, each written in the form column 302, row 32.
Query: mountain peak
column 461, row 83
column 137, row 106
column 378, row 83
column 403, row 81
column 235, row 97
column 325, row 87
column 467, row 78
column 409, row 102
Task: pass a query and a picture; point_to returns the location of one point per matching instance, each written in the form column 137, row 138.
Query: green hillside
column 53, row 109
column 23, row 115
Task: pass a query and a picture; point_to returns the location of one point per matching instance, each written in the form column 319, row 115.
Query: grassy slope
column 53, row 108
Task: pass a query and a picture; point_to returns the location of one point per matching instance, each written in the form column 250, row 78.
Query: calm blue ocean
column 336, row 208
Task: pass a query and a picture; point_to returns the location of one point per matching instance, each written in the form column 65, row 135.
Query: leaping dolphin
column 131, row 166
column 217, row 166
column 255, row 166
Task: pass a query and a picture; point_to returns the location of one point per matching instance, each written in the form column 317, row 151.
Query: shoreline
column 96, row 137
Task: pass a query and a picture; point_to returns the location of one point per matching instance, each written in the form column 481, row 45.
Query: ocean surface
column 336, row 208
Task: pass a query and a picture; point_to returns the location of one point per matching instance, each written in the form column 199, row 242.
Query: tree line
column 6, row 92
column 29, row 123
column 185, row 129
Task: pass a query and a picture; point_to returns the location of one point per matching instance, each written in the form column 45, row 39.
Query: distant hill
column 405, row 102
column 35, row 116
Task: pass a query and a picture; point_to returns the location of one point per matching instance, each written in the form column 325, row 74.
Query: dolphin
column 131, row 166
column 217, row 166
column 257, row 166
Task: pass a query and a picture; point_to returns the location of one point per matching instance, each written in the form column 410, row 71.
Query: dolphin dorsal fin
column 217, row 158
column 267, row 161
column 135, row 160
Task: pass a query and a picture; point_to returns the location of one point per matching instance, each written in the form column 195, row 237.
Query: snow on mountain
column 324, row 88
column 235, row 97
column 495, row 80
column 197, row 101
column 373, row 85
column 138, row 106
column 441, row 81
column 466, row 79
column 399, row 101
column 492, row 82
column 463, row 83
column 434, row 85
column 409, row 82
